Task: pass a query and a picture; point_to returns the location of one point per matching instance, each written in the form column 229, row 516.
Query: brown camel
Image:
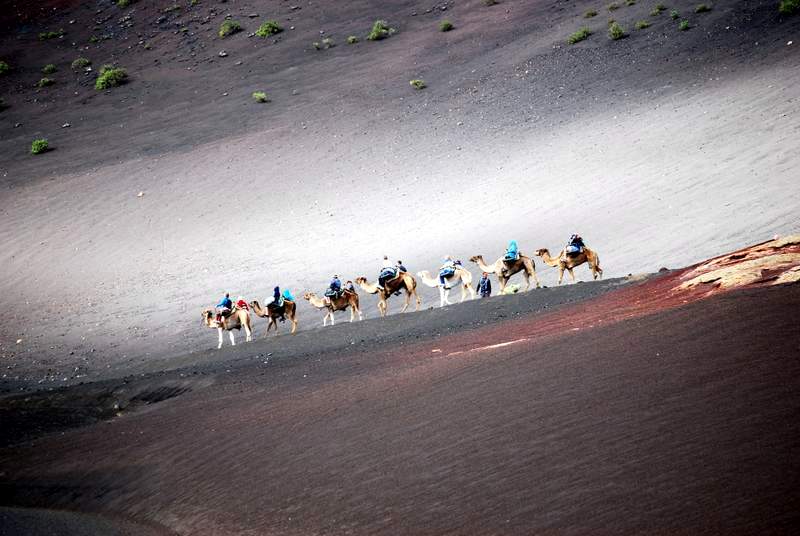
column 238, row 319
column 505, row 269
column 403, row 281
column 346, row 299
column 460, row 278
column 273, row 312
column 565, row 262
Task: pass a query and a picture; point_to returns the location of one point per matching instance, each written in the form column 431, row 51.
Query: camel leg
column 249, row 333
column 571, row 274
column 233, row 339
column 408, row 300
column 219, row 331
column 535, row 278
column 294, row 325
column 527, row 280
column 560, row 274
column 382, row 307
column 360, row 316
column 471, row 291
column 419, row 301
column 442, row 296
column 325, row 320
column 330, row 313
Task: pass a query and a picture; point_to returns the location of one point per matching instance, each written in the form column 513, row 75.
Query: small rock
column 140, row 194
column 19, row 341
column 225, row 94
column 253, row 15
column 17, row 125
column 238, row 62
column 460, row 123
column 789, row 43
column 223, row 54
column 65, row 125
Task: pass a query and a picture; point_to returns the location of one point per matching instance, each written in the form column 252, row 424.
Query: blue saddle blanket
column 511, row 257
column 573, row 249
column 447, row 272
column 388, row 273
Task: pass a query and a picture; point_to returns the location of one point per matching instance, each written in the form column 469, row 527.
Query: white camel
column 461, row 277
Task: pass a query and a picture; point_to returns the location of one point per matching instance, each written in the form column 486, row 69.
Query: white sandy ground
column 688, row 175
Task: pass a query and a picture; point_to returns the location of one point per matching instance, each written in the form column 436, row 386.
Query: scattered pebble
column 789, row 43
column 140, row 194
column 223, row 54
column 65, row 125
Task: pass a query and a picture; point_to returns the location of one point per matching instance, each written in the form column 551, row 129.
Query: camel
column 565, row 262
column 273, row 313
column 238, row 319
column 403, row 281
column 347, row 299
column 462, row 277
column 505, row 269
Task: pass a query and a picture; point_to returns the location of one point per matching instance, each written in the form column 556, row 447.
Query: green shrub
column 44, row 36
column 44, row 82
column 642, row 24
column 80, row 63
column 702, row 8
column 579, row 36
column 268, row 28
column 490, row 2
column 630, row 2
column 589, row 14
column 613, row 7
column 39, row 146
column 110, row 77
column 418, row 84
column 328, row 43
column 94, row 39
column 316, row 45
column 674, row 14
column 4, row 67
column 684, row 25
column 123, row 3
column 49, row 69
column 260, row 96
column 380, row 30
column 658, row 9
column 615, row 31
column 352, row 39
column 445, row 26
column 229, row 27
column 788, row 7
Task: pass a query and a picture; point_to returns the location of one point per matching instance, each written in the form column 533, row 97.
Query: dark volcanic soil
column 687, row 419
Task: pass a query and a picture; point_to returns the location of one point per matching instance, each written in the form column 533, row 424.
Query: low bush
column 674, row 14
column 229, row 27
column 44, row 82
column 80, row 63
column 702, row 8
column 612, row 7
column 490, row 2
column 615, row 31
column 352, row 39
column 4, row 67
column 260, row 96
column 39, row 146
column 270, row 27
column 44, row 36
column 328, row 43
column 642, row 24
column 49, row 69
column 380, row 30
column 110, row 77
column 630, row 2
column 658, row 9
column 418, row 84
column 579, row 36
column 445, row 26
column 589, row 14
column 123, row 3
column 94, row 39
column 789, row 7
column 684, row 25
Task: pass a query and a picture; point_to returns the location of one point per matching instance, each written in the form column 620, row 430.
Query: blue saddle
column 447, row 272
column 511, row 257
column 573, row 249
column 388, row 273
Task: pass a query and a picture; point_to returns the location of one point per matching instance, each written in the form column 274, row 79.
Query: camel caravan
column 394, row 280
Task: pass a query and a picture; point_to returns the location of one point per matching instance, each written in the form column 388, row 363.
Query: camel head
column 361, row 280
column 308, row 295
column 208, row 314
column 541, row 252
column 476, row 258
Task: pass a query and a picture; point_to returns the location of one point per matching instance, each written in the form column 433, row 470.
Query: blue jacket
column 485, row 287
column 513, row 249
column 336, row 284
column 225, row 303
